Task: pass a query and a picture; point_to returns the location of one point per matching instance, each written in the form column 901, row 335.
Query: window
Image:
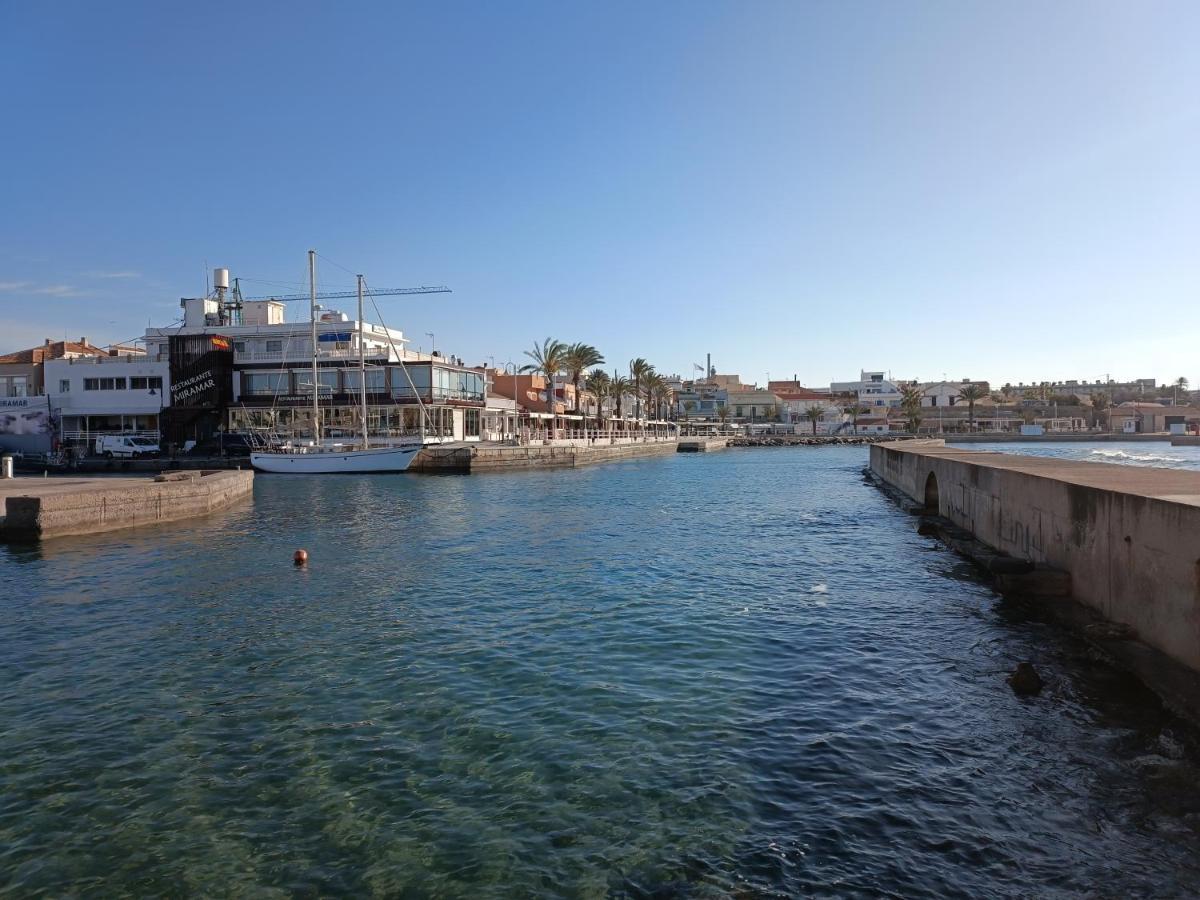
column 376, row 382
column 13, row 386
column 64, row 385
column 274, row 346
column 327, row 379
column 104, row 384
column 471, row 423
column 138, row 383
column 419, row 376
column 239, row 346
column 265, row 383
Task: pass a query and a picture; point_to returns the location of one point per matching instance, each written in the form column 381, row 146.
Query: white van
column 111, row 445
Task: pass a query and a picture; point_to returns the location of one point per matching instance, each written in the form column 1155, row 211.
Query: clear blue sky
column 1004, row 190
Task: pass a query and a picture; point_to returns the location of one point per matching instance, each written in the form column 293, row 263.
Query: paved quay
column 38, row 507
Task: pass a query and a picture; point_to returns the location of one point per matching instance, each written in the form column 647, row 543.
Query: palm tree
column 576, row 358
column 971, row 393
column 639, row 369
column 814, row 414
column 665, row 393
column 722, row 413
column 598, row 383
column 1100, row 403
column 910, row 403
column 854, row 410
column 618, row 387
column 548, row 360
column 1181, row 384
column 654, row 385
column 688, row 406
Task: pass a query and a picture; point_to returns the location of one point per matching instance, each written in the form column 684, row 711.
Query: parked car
column 233, row 443
column 124, row 445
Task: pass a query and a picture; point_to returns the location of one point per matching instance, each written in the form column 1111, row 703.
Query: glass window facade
column 376, row 381
column 268, row 383
column 451, row 384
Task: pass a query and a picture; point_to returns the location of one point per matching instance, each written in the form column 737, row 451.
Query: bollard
column 6, row 466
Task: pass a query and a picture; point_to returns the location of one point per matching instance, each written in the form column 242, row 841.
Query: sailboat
column 318, row 459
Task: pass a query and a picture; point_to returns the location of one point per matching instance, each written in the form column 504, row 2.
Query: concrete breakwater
column 39, row 508
column 489, row 458
column 1129, row 537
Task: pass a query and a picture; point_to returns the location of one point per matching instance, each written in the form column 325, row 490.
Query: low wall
column 91, row 509
column 502, row 459
column 1129, row 536
column 702, row 445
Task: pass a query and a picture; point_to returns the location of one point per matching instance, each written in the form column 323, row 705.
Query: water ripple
column 724, row 675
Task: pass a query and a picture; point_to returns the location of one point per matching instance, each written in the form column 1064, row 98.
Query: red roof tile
column 51, row 350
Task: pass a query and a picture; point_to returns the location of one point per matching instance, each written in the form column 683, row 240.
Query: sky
column 1005, row 190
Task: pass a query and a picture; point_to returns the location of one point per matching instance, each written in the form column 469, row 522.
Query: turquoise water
column 729, row 674
column 1129, row 453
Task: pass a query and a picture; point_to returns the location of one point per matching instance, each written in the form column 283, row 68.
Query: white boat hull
column 330, row 462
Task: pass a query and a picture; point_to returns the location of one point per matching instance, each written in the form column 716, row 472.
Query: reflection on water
column 722, row 674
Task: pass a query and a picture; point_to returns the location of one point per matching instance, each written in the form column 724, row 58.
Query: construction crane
column 346, row 295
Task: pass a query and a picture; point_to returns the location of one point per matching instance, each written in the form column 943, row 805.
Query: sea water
column 726, row 674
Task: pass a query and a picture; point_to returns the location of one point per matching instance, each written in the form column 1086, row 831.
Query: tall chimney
column 83, row 340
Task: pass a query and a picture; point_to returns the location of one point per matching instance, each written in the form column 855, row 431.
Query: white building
column 272, row 378
column 946, row 393
column 93, row 395
column 872, row 389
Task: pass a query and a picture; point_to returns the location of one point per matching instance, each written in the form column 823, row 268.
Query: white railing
column 296, row 355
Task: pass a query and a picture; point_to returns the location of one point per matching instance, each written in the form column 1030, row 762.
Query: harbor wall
column 1129, row 536
column 505, row 459
column 702, row 444
column 179, row 495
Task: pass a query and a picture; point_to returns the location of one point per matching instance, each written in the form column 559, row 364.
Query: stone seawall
column 702, row 444
column 506, row 459
column 54, row 508
column 1129, row 536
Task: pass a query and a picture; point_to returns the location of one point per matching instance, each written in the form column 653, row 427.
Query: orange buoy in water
column 300, row 557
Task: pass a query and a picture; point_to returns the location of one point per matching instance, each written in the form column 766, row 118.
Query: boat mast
column 312, row 309
column 362, row 366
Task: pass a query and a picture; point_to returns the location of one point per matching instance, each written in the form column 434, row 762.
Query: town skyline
column 695, row 178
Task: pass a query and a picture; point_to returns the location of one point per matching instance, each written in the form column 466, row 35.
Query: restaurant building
column 266, row 383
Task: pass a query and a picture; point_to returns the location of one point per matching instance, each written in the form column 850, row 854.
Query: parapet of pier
column 1128, row 536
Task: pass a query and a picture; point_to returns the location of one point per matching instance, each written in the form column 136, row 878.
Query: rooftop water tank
column 221, row 278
